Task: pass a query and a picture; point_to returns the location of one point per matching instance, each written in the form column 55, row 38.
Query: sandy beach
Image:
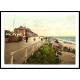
column 68, row 44
column 66, row 56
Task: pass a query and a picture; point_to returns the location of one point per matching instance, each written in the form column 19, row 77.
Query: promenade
column 13, row 46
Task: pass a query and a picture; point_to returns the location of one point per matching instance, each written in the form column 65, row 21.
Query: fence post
column 12, row 53
column 32, row 49
column 40, row 44
column 26, row 55
column 37, row 45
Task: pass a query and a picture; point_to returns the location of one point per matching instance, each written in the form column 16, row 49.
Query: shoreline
column 62, row 39
column 64, row 43
column 65, row 50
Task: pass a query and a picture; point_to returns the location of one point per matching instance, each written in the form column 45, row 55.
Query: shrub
column 44, row 55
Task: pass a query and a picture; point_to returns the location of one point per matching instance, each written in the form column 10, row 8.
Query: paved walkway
column 67, row 58
column 13, row 46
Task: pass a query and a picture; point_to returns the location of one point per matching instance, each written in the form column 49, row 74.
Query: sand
column 67, row 44
column 66, row 57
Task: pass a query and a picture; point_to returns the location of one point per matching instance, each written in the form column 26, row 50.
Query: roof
column 21, row 27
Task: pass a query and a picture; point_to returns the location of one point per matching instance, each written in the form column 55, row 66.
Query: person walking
column 34, row 38
column 26, row 38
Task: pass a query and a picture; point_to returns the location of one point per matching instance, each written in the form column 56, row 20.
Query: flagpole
column 13, row 23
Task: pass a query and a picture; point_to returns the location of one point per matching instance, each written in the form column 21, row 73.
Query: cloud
column 47, row 25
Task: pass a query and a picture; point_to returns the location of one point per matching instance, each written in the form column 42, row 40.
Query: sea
column 71, row 39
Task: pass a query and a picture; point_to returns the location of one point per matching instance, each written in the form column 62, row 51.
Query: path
column 67, row 58
column 13, row 46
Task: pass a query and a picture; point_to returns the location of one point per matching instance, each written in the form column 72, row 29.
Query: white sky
column 43, row 23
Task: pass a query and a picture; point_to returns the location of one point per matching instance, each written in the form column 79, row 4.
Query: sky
column 44, row 24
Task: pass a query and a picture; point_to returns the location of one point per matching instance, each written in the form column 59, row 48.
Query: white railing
column 21, row 55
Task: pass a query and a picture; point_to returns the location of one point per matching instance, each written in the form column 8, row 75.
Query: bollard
column 26, row 55
column 12, row 53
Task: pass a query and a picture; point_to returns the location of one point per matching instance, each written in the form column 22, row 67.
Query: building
column 23, row 31
column 31, row 33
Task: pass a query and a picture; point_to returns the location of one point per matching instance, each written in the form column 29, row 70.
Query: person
column 41, row 39
column 34, row 39
column 26, row 38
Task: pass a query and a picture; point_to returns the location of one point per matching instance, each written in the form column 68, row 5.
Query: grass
column 44, row 55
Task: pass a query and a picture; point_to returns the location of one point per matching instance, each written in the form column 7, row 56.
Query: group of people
column 33, row 38
column 68, row 49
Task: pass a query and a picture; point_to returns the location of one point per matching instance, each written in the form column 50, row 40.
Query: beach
column 68, row 44
column 68, row 57
column 65, row 51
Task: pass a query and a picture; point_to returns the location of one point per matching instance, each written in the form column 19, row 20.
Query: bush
column 44, row 55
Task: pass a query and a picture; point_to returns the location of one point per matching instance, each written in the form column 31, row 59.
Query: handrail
column 12, row 53
column 24, row 47
column 18, row 50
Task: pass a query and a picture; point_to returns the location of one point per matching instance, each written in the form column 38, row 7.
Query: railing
column 21, row 55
